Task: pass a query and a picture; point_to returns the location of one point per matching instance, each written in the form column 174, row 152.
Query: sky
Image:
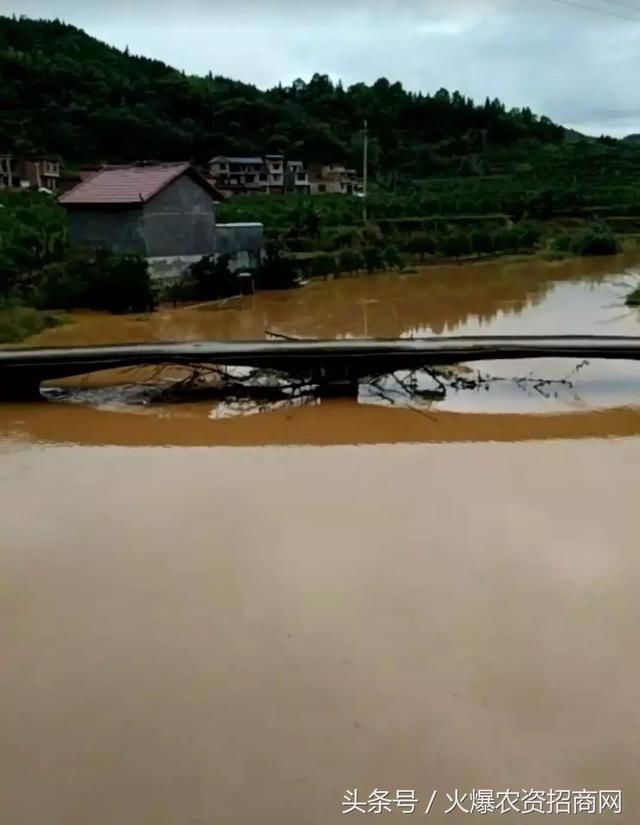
column 575, row 64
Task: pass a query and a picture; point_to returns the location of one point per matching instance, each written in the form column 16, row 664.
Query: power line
column 622, row 5
column 598, row 11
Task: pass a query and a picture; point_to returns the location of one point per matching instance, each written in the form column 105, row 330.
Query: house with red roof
column 158, row 210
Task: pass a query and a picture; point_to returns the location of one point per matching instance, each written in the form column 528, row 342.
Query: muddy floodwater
column 221, row 615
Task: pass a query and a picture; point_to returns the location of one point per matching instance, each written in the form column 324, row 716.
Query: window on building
column 263, row 176
column 322, row 187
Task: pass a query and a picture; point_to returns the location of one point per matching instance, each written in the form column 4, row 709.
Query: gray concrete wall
column 180, row 221
column 244, row 243
column 118, row 229
column 172, row 267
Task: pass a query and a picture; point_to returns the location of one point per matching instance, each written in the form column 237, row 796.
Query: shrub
column 392, row 257
column 562, row 242
column 421, row 244
column 301, row 244
column 211, row 278
column 64, row 285
column 591, row 240
column 481, row 241
column 372, row 234
column 95, row 280
column 122, row 284
column 351, row 260
column 633, row 299
column 456, row 244
column 345, row 238
column 528, row 233
column 276, row 271
column 596, row 240
column 373, row 258
column 510, row 240
column 18, row 323
column 324, row 265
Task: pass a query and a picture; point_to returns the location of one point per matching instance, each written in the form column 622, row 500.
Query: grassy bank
column 19, row 323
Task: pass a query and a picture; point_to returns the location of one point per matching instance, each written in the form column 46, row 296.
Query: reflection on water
column 583, row 296
column 500, row 297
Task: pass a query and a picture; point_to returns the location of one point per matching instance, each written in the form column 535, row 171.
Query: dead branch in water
column 283, row 337
column 211, row 382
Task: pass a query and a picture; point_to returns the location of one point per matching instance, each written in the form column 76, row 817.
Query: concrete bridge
column 335, row 365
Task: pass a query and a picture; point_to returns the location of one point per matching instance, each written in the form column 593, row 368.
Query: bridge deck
column 22, row 370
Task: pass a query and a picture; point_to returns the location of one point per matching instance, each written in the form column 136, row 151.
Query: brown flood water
column 503, row 297
column 211, row 620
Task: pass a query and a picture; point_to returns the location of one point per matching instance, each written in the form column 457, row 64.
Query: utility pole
column 365, row 171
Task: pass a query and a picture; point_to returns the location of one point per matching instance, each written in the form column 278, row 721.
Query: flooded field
column 507, row 401
column 211, row 618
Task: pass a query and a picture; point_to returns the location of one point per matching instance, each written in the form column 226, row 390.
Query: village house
column 8, row 172
column 238, row 175
column 297, row 178
column 38, row 171
column 275, row 174
column 42, row 172
column 268, row 175
column 332, row 179
column 164, row 212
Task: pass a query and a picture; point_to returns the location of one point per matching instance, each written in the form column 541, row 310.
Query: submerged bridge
column 335, row 366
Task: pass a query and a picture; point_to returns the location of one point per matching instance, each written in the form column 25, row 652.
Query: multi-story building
column 297, row 178
column 238, row 175
column 7, row 172
column 332, row 178
column 275, row 174
column 269, row 174
column 40, row 172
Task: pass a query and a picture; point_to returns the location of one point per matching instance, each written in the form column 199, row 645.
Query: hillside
column 66, row 92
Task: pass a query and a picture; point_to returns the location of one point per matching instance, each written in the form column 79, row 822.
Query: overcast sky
column 578, row 66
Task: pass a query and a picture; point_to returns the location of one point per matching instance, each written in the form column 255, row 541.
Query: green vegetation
column 33, row 233
column 95, row 280
column 393, row 242
column 590, row 240
column 276, row 270
column 39, row 269
column 64, row 91
column 18, row 323
column 209, row 279
column 450, row 179
column 633, row 299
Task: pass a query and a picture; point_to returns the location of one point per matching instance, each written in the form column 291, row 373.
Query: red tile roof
column 130, row 184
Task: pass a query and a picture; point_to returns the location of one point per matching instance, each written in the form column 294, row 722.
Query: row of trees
column 594, row 239
column 67, row 92
column 513, row 197
column 212, row 278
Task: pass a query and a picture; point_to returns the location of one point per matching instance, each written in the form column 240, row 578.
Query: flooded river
column 218, row 618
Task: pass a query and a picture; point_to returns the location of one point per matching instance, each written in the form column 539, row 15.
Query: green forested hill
column 66, row 92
